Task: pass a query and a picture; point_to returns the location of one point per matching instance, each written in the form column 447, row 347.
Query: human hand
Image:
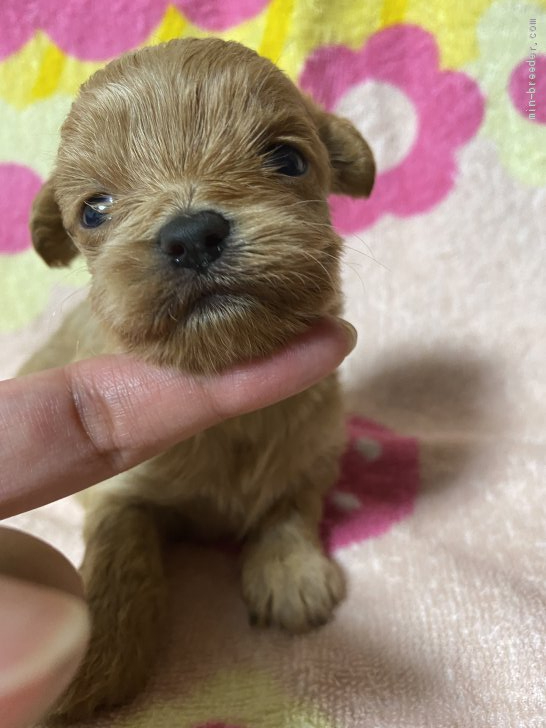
column 63, row 430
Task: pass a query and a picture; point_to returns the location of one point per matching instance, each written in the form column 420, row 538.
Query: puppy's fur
column 173, row 129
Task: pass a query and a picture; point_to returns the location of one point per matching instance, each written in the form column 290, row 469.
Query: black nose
column 194, row 241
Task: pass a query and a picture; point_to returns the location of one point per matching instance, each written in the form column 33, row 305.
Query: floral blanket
column 439, row 518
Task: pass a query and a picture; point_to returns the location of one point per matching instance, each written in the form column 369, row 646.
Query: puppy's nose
column 194, row 241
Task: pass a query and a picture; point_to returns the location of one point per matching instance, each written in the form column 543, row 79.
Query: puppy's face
column 193, row 177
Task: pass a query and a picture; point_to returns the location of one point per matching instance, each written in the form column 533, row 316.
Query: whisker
column 370, row 257
column 345, row 244
column 310, row 255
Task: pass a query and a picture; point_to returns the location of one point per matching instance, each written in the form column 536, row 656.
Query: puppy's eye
column 96, row 210
column 286, row 160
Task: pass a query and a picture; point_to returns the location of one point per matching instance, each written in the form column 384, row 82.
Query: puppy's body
column 259, row 477
column 222, row 481
column 207, row 136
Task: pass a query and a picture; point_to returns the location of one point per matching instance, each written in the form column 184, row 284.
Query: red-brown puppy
column 193, row 178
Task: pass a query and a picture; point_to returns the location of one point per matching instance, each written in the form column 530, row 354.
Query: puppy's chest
column 227, row 463
column 225, row 478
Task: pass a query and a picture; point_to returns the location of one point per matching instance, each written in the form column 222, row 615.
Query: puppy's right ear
column 49, row 237
column 352, row 166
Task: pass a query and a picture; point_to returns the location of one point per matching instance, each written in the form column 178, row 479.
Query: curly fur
column 184, row 127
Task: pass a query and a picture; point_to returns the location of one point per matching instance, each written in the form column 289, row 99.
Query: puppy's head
column 193, row 177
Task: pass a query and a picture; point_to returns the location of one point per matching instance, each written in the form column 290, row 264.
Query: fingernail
column 351, row 333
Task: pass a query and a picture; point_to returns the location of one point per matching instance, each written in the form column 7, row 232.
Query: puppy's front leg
column 125, row 588
column 287, row 579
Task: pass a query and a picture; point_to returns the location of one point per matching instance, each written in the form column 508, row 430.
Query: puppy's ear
column 353, row 165
column 351, row 159
column 49, row 237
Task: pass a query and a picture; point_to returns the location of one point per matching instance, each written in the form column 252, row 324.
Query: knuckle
column 94, row 416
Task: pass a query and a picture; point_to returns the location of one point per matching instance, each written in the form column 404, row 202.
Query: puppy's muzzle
column 194, row 241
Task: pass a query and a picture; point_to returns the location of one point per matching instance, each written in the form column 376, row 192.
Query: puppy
column 193, row 178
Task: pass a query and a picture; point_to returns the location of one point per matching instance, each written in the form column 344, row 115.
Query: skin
column 65, row 429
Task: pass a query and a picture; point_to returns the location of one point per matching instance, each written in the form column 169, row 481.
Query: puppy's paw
column 105, row 679
column 296, row 591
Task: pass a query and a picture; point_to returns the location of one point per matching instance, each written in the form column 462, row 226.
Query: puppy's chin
column 216, row 332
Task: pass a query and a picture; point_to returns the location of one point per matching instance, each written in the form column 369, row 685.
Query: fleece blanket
column 439, row 518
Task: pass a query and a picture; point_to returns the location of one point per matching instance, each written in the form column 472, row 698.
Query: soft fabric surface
column 439, row 520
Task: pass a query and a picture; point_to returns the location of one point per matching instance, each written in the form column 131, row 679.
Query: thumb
column 44, row 627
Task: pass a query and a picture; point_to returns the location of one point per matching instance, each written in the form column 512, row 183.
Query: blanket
column 439, row 517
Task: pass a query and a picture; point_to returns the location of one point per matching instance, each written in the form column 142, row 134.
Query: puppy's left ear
column 351, row 159
column 49, row 237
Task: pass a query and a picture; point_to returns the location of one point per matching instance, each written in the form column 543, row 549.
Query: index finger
column 63, row 430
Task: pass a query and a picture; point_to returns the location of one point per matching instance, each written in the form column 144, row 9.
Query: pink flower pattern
column 93, row 31
column 377, row 488
column 19, row 185
column 521, row 84
column 448, row 104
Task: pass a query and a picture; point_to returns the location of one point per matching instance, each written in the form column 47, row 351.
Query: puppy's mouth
column 213, row 302
column 210, row 303
column 206, row 323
